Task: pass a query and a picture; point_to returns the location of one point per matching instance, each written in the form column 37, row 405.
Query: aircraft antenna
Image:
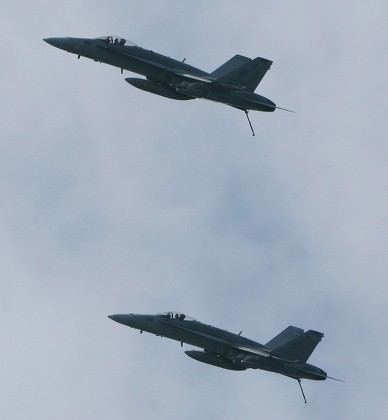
column 300, row 385
column 250, row 125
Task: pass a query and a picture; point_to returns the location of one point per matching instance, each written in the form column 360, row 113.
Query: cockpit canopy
column 176, row 315
column 112, row 39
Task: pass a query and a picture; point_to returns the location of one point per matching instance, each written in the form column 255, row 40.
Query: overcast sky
column 115, row 200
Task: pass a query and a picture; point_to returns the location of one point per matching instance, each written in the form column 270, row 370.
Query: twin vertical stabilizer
column 294, row 344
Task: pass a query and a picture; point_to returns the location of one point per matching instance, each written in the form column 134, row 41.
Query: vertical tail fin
column 299, row 348
column 284, row 337
column 246, row 76
column 232, row 64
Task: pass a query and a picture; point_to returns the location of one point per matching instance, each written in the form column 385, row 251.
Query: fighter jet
column 232, row 84
column 287, row 353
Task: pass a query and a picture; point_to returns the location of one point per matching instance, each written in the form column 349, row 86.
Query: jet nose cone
column 114, row 317
column 55, row 42
column 66, row 44
column 121, row 318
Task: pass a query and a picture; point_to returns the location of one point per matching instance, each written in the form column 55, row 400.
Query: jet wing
column 260, row 351
column 176, row 71
column 195, row 77
column 264, row 352
column 202, row 334
column 255, row 350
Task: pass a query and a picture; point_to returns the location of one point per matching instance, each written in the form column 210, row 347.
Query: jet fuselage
column 165, row 76
column 233, row 351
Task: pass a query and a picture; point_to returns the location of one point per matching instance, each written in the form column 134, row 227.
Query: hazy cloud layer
column 115, row 200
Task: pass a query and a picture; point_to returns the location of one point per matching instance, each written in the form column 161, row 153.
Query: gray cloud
column 115, row 200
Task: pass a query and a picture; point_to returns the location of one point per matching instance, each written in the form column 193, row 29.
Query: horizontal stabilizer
column 247, row 76
column 300, row 348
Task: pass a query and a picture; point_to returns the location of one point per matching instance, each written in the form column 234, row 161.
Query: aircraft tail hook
column 250, row 124
column 300, row 385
